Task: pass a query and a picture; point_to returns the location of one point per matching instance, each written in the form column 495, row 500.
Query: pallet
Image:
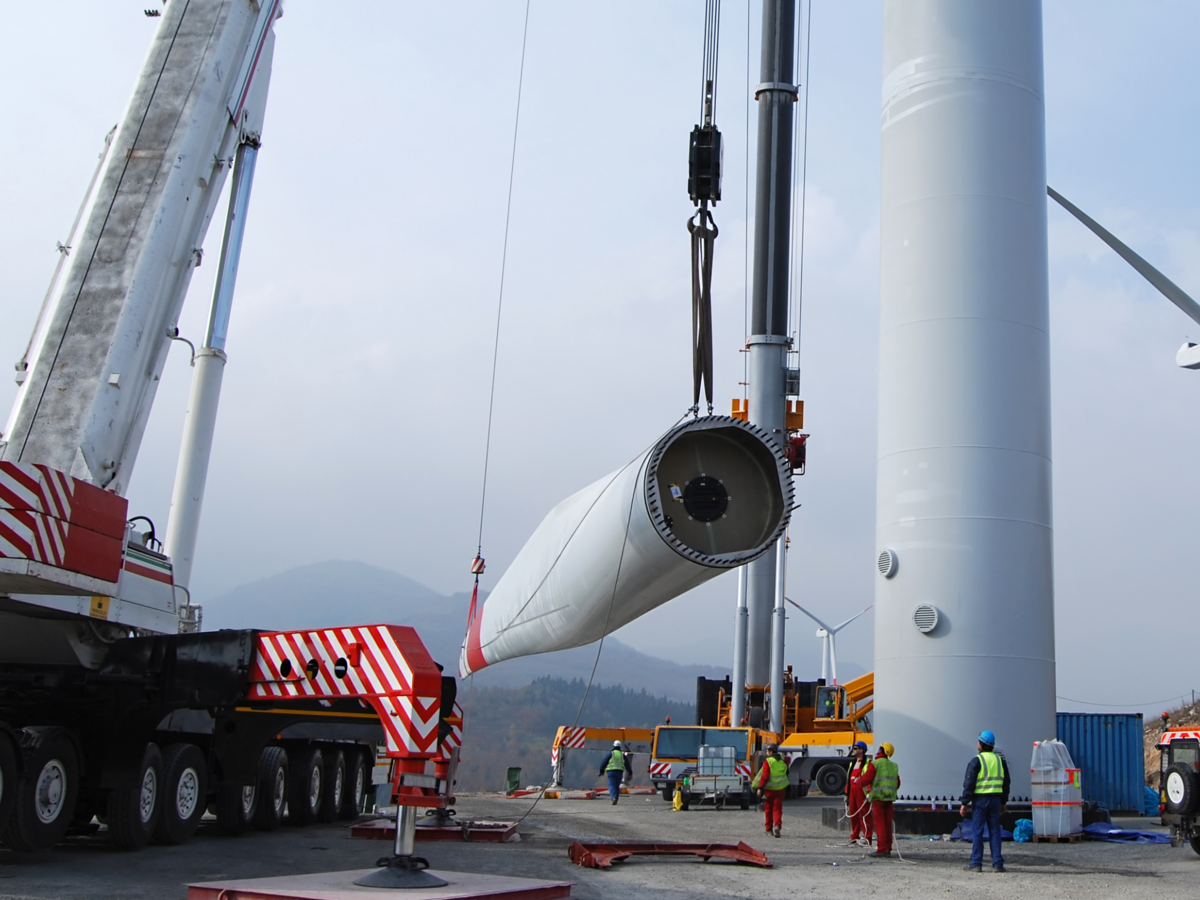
column 1058, row 838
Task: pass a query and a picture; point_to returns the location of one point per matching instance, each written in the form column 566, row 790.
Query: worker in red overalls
column 771, row 782
column 862, row 773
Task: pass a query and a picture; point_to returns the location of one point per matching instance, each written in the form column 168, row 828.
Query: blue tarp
column 1101, row 832
column 965, row 831
column 1151, row 801
column 1023, row 833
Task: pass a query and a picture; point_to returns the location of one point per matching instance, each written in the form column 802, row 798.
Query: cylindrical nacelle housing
column 710, row 495
column 964, row 627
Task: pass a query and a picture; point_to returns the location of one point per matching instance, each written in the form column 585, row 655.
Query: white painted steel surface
column 964, row 404
column 608, row 554
column 99, row 350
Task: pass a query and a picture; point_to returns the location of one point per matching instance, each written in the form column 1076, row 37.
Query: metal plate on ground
column 341, row 886
column 494, row 832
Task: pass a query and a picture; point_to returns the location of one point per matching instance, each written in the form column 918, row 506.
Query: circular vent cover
column 925, row 617
column 888, row 563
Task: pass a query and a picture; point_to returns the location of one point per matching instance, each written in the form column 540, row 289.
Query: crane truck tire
column 333, row 788
column 272, row 789
column 9, row 775
column 185, row 793
column 133, row 811
column 45, row 797
column 236, row 805
column 831, row 779
column 358, row 779
column 305, row 786
column 1182, row 790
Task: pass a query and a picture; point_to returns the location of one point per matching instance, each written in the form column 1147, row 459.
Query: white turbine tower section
column 828, row 638
column 964, row 636
column 710, row 495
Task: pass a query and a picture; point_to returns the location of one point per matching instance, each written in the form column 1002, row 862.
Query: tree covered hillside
column 506, row 727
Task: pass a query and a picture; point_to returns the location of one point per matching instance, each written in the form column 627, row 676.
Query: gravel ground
column 810, row 860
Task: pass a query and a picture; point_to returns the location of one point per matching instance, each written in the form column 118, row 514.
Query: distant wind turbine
column 828, row 639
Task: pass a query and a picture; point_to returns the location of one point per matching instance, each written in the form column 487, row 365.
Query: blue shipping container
column 1108, row 749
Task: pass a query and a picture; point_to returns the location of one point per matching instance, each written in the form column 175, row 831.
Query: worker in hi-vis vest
column 884, row 786
column 858, row 807
column 615, row 766
column 985, row 793
column 771, row 782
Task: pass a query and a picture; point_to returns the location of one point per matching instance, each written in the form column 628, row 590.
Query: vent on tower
column 888, row 563
column 925, row 617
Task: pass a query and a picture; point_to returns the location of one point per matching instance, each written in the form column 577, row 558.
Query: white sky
column 352, row 423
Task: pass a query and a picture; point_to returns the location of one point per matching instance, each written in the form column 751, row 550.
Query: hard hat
column 772, row 748
column 987, row 738
column 887, row 749
column 616, row 743
column 860, row 745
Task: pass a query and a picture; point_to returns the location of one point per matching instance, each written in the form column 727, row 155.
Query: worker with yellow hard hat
column 884, row 789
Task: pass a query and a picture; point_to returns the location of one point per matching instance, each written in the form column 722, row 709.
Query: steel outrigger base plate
column 602, row 856
column 341, row 886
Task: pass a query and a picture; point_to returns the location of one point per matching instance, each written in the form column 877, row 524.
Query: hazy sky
column 352, row 422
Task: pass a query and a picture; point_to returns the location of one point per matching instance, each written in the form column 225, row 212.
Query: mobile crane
column 113, row 702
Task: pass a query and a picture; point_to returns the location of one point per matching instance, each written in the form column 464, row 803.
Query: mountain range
column 342, row 592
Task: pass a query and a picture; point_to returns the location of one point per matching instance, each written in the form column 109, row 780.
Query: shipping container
column 1108, row 748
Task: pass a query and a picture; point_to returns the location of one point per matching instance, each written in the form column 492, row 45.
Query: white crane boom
column 88, row 382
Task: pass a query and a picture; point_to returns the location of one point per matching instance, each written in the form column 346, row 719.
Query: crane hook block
column 704, row 164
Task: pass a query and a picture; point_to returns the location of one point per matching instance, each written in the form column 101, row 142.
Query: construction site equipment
column 1179, row 784
column 709, row 495
column 578, row 737
column 113, row 702
column 1110, row 752
column 465, row 830
column 602, row 856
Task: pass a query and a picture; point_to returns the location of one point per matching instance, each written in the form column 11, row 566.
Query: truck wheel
column 305, row 784
column 272, row 789
column 236, row 805
column 333, row 788
column 357, row 781
column 747, row 799
column 668, row 792
column 8, row 779
column 831, row 779
column 1182, row 790
column 133, row 811
column 185, row 793
column 45, row 797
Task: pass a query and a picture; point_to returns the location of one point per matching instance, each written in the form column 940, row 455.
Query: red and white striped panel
column 35, row 508
column 51, row 518
column 385, row 665
column 1168, row 736
column 573, row 738
column 742, row 769
column 454, row 739
column 662, row 769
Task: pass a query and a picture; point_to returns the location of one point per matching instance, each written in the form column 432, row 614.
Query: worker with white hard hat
column 615, row 766
column 985, row 793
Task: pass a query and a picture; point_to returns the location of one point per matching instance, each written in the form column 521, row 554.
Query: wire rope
column 512, row 168
column 746, row 234
column 798, row 269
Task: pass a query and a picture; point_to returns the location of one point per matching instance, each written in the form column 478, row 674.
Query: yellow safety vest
column 778, row 779
column 616, row 763
column 991, row 774
column 886, row 781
